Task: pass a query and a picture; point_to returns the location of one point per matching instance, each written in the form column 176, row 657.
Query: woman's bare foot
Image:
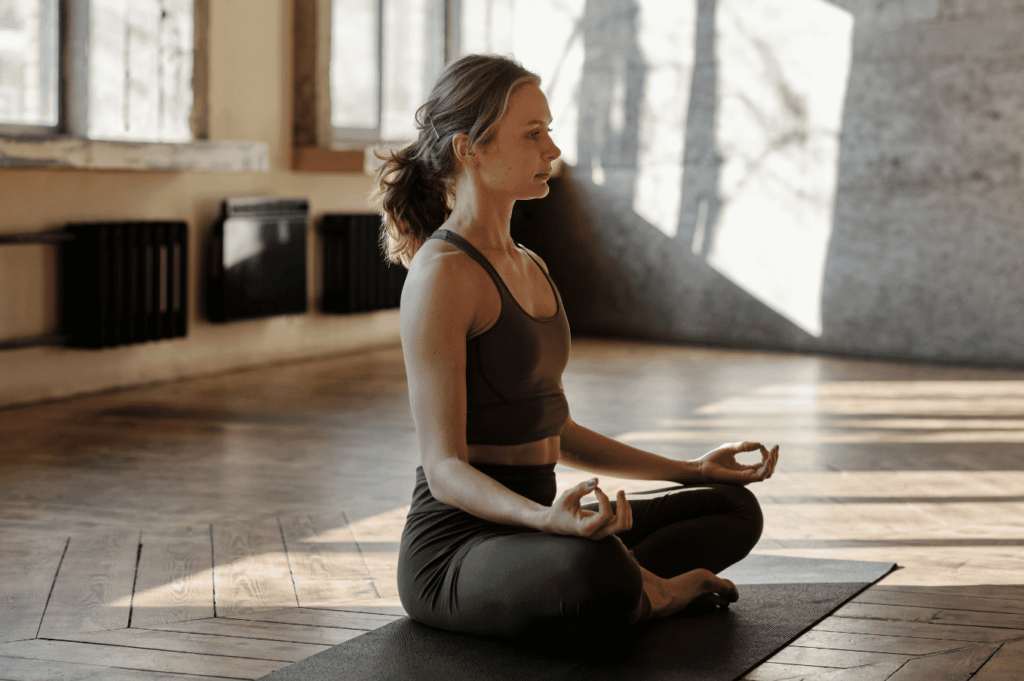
column 669, row 596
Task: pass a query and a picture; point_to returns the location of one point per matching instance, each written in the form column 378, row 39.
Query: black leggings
column 465, row 574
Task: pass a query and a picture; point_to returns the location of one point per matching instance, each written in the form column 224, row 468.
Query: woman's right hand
column 567, row 516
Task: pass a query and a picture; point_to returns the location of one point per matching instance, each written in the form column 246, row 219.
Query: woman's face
column 517, row 162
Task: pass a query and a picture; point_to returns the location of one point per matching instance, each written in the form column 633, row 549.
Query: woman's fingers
column 595, row 522
column 604, row 505
column 572, row 496
column 620, row 516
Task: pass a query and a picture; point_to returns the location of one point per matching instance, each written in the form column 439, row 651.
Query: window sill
column 321, row 160
column 76, row 152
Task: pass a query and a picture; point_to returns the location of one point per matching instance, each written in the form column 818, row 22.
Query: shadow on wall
column 610, row 266
column 830, row 176
column 620, row 274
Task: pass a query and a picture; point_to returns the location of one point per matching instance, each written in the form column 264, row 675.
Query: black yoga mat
column 780, row 598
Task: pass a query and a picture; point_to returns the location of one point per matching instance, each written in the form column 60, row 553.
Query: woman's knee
column 605, row 577
column 747, row 511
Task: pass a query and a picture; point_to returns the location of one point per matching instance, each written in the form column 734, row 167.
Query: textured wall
column 838, row 176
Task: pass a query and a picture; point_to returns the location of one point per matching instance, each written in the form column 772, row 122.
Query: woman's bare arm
column 437, row 313
column 586, row 450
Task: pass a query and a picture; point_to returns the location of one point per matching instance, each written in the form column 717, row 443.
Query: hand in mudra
column 567, row 515
column 720, row 465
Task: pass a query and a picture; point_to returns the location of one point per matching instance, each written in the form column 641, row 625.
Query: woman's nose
column 555, row 152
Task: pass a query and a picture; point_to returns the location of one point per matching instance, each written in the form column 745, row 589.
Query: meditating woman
column 487, row 548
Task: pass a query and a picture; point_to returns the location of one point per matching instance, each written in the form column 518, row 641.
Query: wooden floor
column 227, row 526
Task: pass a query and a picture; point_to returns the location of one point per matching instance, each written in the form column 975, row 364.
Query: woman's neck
column 485, row 220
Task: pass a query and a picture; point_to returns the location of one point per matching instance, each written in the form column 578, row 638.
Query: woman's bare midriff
column 530, row 454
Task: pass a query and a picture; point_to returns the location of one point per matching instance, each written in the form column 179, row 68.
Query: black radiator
column 125, row 282
column 357, row 278
column 258, row 259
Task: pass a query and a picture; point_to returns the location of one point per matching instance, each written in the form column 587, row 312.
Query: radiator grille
column 356, row 276
column 125, row 283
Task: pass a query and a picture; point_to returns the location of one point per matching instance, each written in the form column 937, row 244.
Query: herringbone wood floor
column 226, row 526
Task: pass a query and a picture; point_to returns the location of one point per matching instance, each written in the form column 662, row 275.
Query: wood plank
column 1005, row 665
column 944, row 632
column 269, row 631
column 980, row 619
column 887, row 612
column 22, row 669
column 774, row 671
column 878, row 671
column 942, row 602
column 137, row 658
column 250, row 568
column 202, row 644
column 27, row 571
column 777, row 672
column 955, row 666
column 93, row 589
column 822, row 657
column 15, row 669
column 870, row 643
column 379, row 537
column 1010, row 592
column 175, row 577
column 322, row 618
column 379, row 606
column 325, row 560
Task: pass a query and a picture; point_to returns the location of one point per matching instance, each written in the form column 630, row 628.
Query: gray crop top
column 514, row 369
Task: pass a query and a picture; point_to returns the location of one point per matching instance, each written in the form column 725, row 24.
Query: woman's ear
column 463, row 150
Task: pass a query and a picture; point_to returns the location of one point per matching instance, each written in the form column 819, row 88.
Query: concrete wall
column 839, row 176
column 250, row 86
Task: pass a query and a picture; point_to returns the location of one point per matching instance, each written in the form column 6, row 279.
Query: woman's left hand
column 720, row 465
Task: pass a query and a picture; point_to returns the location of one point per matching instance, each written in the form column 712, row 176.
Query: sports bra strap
column 470, row 250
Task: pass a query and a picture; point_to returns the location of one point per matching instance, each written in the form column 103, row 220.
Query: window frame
column 318, row 146
column 68, row 145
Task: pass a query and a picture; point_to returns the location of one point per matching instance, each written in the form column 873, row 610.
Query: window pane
column 140, row 70
column 28, row 62
column 413, row 56
column 354, row 73
column 487, row 26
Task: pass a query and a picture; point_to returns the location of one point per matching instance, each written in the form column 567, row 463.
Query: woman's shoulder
column 442, row 269
column 438, row 258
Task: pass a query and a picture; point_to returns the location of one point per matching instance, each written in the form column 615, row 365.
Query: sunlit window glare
column 140, row 70
column 28, row 62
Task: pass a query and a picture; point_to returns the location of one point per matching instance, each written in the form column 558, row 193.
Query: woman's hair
column 415, row 184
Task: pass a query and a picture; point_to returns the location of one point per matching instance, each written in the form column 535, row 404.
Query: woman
column 487, row 549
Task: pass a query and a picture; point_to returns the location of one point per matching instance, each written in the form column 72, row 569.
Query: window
column 82, row 82
column 137, row 58
column 29, row 47
column 130, row 68
column 400, row 45
column 367, row 68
